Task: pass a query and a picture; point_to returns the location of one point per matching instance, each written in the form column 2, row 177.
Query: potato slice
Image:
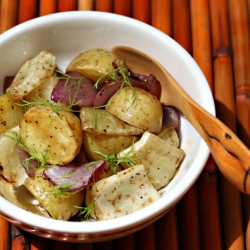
column 53, row 137
column 13, row 170
column 137, row 107
column 9, row 193
column 10, row 113
column 106, row 144
column 31, row 74
column 43, row 91
column 102, row 122
column 124, row 193
column 7, row 190
column 159, row 158
column 94, row 63
column 170, row 135
column 60, row 205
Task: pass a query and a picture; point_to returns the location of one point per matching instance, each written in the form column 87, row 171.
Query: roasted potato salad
column 87, row 142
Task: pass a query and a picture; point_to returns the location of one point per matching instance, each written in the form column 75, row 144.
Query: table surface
column 213, row 214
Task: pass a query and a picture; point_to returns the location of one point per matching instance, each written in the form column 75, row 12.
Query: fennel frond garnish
column 42, row 161
column 86, row 212
column 117, row 74
column 55, row 107
column 114, row 161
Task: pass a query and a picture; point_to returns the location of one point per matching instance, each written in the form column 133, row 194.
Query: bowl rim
column 124, row 222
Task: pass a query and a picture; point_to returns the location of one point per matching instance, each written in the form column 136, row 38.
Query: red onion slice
column 77, row 175
column 171, row 117
column 76, row 89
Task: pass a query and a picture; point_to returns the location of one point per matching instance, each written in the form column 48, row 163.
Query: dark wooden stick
column 123, row 7
column 66, row 5
column 145, row 238
column 47, row 7
column 26, row 10
column 188, row 220
column 239, row 26
column 39, row 243
column 230, row 197
column 166, row 230
column 104, row 245
column 161, row 15
column 126, row 242
column 141, row 10
column 18, row 240
column 182, row 24
column 103, row 5
column 5, row 234
column 188, row 212
column 210, row 227
column 201, row 37
column 8, row 17
column 62, row 245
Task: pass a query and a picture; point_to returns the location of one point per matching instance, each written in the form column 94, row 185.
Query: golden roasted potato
column 94, row 63
column 13, row 170
column 137, row 107
column 20, row 198
column 59, row 204
column 106, row 144
column 7, row 189
column 55, row 138
column 31, row 74
column 102, row 122
column 10, row 113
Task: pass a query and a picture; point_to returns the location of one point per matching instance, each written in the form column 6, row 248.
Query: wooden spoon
column 229, row 153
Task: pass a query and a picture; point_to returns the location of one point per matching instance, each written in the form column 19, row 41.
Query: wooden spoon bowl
column 230, row 154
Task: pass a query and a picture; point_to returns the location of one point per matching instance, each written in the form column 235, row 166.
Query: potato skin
column 102, row 122
column 93, row 63
column 10, row 113
column 106, row 144
column 137, row 107
column 31, row 74
column 53, row 137
column 58, row 206
column 43, row 91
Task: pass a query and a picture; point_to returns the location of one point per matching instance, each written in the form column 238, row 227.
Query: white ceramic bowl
column 66, row 35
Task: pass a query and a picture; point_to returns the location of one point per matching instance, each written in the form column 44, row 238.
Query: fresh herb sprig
column 42, row 161
column 62, row 190
column 55, row 107
column 86, row 212
column 117, row 74
column 67, row 77
column 115, row 161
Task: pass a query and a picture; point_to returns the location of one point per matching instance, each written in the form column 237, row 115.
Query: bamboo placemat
column 213, row 214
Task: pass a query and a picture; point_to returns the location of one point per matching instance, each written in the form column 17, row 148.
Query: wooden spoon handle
column 230, row 154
